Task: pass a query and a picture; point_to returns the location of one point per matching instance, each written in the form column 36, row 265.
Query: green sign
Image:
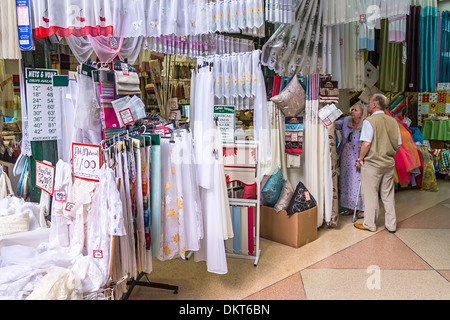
column 40, row 76
column 226, row 117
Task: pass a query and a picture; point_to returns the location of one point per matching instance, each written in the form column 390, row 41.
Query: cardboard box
column 295, row 230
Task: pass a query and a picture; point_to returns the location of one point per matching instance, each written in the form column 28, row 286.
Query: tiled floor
column 343, row 263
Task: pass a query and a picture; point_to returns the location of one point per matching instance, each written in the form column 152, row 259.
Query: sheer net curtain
column 294, row 48
column 148, row 18
column 346, row 11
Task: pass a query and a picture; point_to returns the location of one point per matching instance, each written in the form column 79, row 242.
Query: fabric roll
column 244, row 230
column 155, row 198
column 251, row 250
column 237, row 229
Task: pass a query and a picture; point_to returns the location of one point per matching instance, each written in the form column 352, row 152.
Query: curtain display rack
column 255, row 203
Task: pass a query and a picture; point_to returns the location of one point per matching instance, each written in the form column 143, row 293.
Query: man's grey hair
column 381, row 100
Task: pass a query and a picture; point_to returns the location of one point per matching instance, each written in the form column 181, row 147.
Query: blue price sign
column 24, row 24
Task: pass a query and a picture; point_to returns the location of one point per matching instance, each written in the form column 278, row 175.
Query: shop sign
column 43, row 112
column 24, row 25
column 226, row 121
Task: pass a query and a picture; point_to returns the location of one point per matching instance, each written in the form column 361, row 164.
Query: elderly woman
column 348, row 153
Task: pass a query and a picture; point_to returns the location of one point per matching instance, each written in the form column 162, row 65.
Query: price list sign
column 43, row 114
column 226, row 117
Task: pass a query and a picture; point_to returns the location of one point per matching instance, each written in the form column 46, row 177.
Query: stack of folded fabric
column 293, row 141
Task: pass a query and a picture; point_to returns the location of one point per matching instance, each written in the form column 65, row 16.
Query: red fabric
column 42, row 32
column 403, row 166
column 294, row 150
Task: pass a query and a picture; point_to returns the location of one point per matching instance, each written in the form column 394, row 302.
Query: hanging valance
column 82, row 48
column 148, row 18
column 71, row 17
column 346, row 11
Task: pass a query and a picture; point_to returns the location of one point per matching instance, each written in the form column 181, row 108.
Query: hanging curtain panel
column 392, row 62
column 345, row 11
column 9, row 43
column 427, row 45
column 412, row 49
column 294, row 49
column 444, row 52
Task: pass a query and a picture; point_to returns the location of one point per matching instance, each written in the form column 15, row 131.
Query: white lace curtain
column 148, row 18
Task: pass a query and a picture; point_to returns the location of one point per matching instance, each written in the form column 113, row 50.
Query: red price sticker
column 70, row 206
column 307, row 196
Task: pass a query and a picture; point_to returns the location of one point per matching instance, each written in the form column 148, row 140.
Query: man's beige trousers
column 374, row 181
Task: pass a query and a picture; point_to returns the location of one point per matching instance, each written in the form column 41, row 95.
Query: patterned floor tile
column 374, row 284
column 383, row 249
column 290, row 288
column 432, row 245
column 436, row 217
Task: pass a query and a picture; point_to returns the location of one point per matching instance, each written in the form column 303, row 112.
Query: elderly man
column 380, row 141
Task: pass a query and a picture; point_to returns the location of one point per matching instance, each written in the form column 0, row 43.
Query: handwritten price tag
column 60, row 195
column 86, row 161
column 45, row 174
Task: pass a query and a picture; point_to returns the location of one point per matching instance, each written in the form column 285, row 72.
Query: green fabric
column 436, row 130
column 392, row 70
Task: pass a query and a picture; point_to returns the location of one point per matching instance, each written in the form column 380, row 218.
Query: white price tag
column 127, row 116
column 70, row 206
column 86, row 161
column 60, row 195
column 45, row 174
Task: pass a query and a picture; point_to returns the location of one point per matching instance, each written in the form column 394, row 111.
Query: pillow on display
column 273, row 187
column 249, row 191
column 285, row 197
column 291, row 101
column 263, row 183
column 301, row 200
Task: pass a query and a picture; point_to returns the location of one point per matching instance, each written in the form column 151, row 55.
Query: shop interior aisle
column 343, row 263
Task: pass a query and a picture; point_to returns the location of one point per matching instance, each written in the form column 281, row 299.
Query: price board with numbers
column 43, row 113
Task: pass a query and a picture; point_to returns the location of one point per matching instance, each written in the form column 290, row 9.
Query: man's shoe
column 390, row 230
column 360, row 227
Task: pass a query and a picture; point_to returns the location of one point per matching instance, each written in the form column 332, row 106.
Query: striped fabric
column 106, row 97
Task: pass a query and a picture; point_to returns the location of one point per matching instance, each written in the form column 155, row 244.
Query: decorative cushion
column 272, row 189
column 301, row 200
column 249, row 191
column 285, row 197
column 263, row 183
column 291, row 101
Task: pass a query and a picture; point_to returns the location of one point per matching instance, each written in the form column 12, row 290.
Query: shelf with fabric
column 436, row 129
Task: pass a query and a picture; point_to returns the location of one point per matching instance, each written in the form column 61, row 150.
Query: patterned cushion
column 285, row 197
column 291, row 101
column 273, row 187
column 301, row 200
